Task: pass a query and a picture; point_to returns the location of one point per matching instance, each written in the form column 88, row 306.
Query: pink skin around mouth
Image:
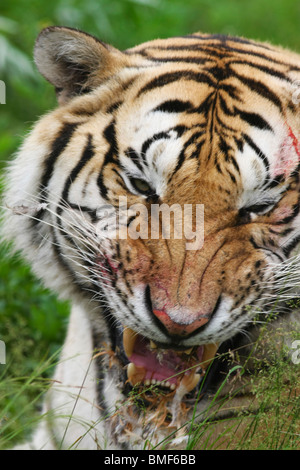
column 166, row 368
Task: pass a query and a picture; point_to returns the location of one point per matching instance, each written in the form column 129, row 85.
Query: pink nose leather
column 179, row 328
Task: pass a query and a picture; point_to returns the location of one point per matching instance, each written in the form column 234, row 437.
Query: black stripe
column 257, row 150
column 161, row 135
column 195, row 154
column 134, row 157
column 205, row 106
column 224, row 38
column 213, row 50
column 233, row 161
column 232, row 177
column 62, row 260
column 231, row 90
column 276, row 181
column 263, row 68
column 58, row 146
column 257, row 247
column 87, row 154
column 224, row 147
column 64, row 202
column 254, row 119
column 254, row 244
column 170, row 77
column 113, row 107
column 219, row 45
column 110, row 135
column 287, row 249
column 261, row 89
column 174, row 106
column 224, row 107
column 179, row 59
column 146, row 145
column 239, row 143
column 91, row 212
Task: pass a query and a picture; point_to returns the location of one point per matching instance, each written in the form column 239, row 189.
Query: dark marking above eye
column 257, row 150
column 174, row 106
column 161, row 135
column 133, row 155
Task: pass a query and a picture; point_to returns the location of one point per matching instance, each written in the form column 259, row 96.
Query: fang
column 135, row 374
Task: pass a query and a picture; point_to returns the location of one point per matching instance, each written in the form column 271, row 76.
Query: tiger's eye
column 141, row 186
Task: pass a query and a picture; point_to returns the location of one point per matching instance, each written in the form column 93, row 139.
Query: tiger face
column 200, row 122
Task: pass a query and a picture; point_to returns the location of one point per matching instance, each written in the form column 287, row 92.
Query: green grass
column 20, row 398
column 32, row 325
column 270, row 421
column 32, row 320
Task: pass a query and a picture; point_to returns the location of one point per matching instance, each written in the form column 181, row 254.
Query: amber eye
column 141, row 186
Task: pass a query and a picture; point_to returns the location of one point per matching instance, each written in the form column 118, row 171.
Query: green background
column 32, row 321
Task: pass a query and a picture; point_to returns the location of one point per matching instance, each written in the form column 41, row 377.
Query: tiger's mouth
column 149, row 364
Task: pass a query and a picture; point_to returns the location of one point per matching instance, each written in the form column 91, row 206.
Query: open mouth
column 150, row 364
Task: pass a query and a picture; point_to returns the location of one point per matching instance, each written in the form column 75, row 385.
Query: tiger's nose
column 180, row 329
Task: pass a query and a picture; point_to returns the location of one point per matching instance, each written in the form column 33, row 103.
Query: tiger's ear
column 73, row 61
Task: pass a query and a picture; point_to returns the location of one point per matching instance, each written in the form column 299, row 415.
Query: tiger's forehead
column 150, row 138
column 204, row 105
column 184, row 124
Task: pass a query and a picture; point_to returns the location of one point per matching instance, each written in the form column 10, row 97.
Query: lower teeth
column 136, row 376
column 187, row 382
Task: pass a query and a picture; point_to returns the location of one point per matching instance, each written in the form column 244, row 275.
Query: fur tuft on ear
column 73, row 61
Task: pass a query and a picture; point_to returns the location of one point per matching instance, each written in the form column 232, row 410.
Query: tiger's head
column 202, row 130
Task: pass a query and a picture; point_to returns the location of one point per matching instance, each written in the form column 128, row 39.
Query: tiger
column 203, row 121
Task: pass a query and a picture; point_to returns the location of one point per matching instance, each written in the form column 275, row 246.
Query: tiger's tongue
column 164, row 365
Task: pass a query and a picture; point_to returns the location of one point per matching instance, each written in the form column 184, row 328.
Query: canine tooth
column 190, row 381
column 135, row 374
column 152, row 344
column 208, row 355
column 188, row 351
column 129, row 338
column 172, row 386
column 147, row 382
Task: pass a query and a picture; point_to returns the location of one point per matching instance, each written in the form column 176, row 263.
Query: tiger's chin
column 159, row 387
column 172, row 369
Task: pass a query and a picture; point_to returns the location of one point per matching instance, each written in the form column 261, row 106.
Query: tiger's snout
column 177, row 320
column 178, row 328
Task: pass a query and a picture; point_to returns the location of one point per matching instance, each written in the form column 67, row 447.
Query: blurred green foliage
column 124, row 23
column 32, row 321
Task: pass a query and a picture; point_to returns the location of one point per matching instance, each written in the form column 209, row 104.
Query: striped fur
column 201, row 119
